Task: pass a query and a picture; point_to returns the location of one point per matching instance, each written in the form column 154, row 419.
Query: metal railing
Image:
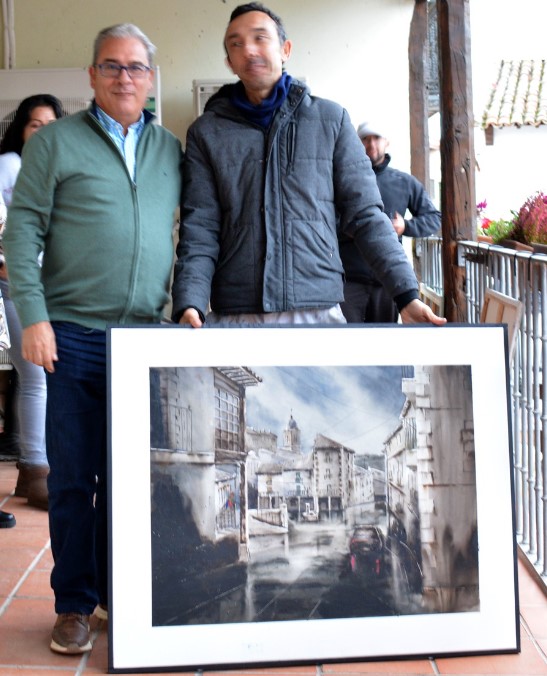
column 522, row 276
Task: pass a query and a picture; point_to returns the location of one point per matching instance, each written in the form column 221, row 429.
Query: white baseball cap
column 370, row 129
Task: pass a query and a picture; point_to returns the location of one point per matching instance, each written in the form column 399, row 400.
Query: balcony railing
column 522, row 276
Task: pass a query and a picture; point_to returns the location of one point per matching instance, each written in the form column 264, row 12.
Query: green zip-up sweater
column 107, row 241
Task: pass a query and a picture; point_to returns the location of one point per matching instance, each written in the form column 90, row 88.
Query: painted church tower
column 291, row 436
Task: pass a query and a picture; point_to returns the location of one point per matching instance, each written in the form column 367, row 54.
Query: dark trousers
column 76, row 441
column 368, row 303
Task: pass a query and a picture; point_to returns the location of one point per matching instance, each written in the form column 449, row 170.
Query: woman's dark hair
column 259, row 7
column 13, row 138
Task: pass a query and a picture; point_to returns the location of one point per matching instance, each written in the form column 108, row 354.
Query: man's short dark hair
column 259, row 7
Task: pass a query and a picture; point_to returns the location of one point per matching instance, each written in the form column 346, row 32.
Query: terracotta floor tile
column 529, row 661
column 9, row 504
column 7, row 481
column 6, row 486
column 46, row 561
column 98, row 658
column 25, row 536
column 542, row 646
column 406, row 667
column 9, row 577
column 309, row 670
column 32, row 671
column 9, row 471
column 535, row 618
column 36, row 585
column 26, row 515
column 16, row 558
column 31, row 647
column 530, row 592
column 9, row 468
column 28, row 615
column 25, row 628
column 534, row 598
column 26, row 623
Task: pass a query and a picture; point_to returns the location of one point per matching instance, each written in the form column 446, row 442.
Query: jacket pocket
column 316, row 264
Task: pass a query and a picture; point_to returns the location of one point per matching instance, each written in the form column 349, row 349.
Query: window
column 411, row 437
column 226, row 420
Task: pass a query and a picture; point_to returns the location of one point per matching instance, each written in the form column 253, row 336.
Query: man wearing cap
column 365, row 298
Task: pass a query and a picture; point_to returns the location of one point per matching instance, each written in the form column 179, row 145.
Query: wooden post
column 418, row 98
column 457, row 148
column 418, row 105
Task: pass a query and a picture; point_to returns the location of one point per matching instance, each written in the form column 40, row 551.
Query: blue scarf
column 261, row 114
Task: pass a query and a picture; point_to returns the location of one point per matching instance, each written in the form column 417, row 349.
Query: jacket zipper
column 291, row 143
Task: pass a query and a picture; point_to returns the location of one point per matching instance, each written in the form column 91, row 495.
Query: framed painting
column 498, row 308
column 308, row 495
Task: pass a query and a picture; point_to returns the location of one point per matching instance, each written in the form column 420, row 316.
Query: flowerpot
column 516, row 246
column 485, row 238
column 540, row 248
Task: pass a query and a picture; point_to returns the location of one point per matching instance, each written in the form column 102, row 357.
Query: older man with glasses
column 97, row 193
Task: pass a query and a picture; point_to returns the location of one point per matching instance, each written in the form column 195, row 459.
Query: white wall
column 355, row 51
column 500, row 31
column 512, row 169
column 516, row 165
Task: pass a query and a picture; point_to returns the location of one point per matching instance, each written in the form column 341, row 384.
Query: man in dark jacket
column 366, row 299
column 270, row 172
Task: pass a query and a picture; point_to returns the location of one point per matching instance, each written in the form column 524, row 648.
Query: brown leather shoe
column 101, row 612
column 32, row 484
column 71, row 634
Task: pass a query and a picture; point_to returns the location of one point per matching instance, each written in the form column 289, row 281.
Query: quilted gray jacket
column 261, row 208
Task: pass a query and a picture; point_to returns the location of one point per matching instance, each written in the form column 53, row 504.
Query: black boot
column 7, row 520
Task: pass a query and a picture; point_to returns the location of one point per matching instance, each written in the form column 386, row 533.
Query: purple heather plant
column 531, row 220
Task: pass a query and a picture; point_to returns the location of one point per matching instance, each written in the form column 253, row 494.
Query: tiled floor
column 26, row 617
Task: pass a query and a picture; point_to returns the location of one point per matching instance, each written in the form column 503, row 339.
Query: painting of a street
column 292, row 493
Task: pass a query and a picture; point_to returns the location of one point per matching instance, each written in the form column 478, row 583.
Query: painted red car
column 367, row 550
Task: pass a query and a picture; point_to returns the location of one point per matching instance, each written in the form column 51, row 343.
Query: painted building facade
column 432, row 488
column 198, row 450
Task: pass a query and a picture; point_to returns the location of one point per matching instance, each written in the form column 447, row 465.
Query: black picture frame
column 248, row 520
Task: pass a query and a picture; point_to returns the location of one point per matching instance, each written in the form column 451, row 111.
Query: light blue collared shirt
column 126, row 143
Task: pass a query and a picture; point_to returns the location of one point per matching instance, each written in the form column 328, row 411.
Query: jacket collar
column 220, row 101
column 379, row 168
column 148, row 116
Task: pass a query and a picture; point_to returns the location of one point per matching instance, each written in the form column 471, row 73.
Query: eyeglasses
column 136, row 71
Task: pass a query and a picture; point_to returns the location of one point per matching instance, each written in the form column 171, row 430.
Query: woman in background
column 32, row 114
column 7, row 520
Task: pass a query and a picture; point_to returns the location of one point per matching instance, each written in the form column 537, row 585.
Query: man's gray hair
column 123, row 30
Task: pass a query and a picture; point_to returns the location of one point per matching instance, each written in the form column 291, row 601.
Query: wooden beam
column 457, row 148
column 418, row 97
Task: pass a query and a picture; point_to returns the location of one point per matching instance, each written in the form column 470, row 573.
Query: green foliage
column 497, row 230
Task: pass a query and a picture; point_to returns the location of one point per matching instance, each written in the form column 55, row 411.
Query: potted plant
column 498, row 230
column 531, row 223
column 492, row 231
